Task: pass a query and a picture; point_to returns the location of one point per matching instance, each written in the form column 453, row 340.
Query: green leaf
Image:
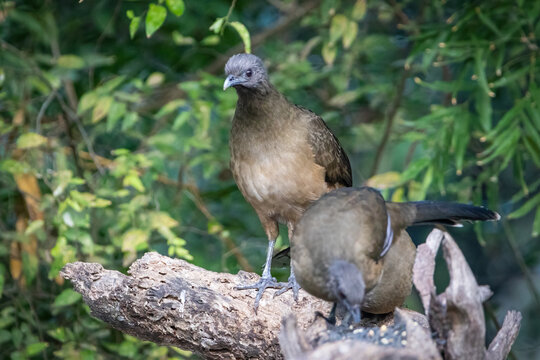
column 350, row 34
column 110, row 85
column 134, row 26
column 526, row 208
column 154, row 18
column 102, row 108
column 33, row 227
column 35, row 348
column 88, row 101
column 414, row 169
column 510, row 78
column 135, row 239
column 244, row 35
column 536, row 224
column 5, row 336
column 2, row 280
column 487, row 21
column 176, row 7
column 133, row 180
column 211, row 40
column 70, row 62
column 116, row 111
column 483, row 106
column 30, row 140
column 338, row 26
column 161, row 218
column 59, row 334
column 217, row 26
column 129, row 120
column 460, row 140
column 329, row 52
column 67, row 297
column 180, row 39
column 359, row 10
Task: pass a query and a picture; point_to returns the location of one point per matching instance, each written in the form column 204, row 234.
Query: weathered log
column 456, row 316
column 171, row 302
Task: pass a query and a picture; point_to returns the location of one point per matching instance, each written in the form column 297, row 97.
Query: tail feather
column 452, row 214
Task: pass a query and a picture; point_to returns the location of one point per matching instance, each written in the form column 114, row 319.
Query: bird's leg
column 331, row 319
column 266, row 280
column 291, row 283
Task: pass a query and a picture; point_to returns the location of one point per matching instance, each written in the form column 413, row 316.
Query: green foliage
column 114, row 144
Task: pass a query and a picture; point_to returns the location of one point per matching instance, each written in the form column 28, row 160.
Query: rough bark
column 172, row 302
column 456, row 316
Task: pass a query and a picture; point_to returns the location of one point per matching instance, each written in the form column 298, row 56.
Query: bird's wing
column 328, row 151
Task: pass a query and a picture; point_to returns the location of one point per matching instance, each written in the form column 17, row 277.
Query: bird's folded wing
column 327, row 151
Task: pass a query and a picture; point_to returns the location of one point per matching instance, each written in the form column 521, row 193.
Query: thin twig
column 282, row 6
column 284, row 24
column 75, row 118
column 100, row 39
column 519, row 259
column 226, row 239
column 389, row 122
column 42, row 110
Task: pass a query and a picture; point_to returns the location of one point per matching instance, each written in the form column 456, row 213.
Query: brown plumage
column 283, row 157
column 351, row 247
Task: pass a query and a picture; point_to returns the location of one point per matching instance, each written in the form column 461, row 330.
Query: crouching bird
column 351, row 247
column 283, row 157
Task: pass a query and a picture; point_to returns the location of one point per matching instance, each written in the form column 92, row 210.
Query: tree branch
column 172, row 302
column 389, row 122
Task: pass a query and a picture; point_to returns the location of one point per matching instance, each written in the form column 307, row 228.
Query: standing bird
column 351, row 247
column 283, row 157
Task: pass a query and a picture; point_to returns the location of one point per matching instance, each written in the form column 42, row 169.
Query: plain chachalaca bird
column 351, row 247
column 283, row 156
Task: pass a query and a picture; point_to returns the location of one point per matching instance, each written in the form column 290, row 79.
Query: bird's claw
column 330, row 320
column 261, row 285
column 291, row 284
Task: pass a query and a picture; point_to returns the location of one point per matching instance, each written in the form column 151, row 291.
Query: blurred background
column 114, row 141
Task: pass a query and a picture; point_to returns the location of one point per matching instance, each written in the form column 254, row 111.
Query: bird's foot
column 261, row 285
column 330, row 320
column 291, row 284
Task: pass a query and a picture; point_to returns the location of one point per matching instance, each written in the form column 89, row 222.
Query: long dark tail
column 420, row 213
column 434, row 212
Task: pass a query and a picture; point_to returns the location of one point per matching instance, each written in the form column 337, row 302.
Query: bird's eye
column 249, row 73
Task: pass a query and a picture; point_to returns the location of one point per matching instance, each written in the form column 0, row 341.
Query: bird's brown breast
column 275, row 170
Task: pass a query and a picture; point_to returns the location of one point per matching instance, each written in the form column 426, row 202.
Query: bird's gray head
column 245, row 71
column 347, row 285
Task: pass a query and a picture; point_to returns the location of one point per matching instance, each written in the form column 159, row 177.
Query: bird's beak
column 355, row 313
column 232, row 80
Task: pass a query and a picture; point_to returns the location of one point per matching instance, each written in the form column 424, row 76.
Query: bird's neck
column 256, row 101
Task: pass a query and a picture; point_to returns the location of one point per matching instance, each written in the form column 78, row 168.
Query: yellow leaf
column 329, row 52
column 338, row 27
column 160, row 218
column 133, row 239
column 244, row 35
column 359, row 10
column 385, row 180
column 350, row 34
column 70, row 62
column 30, row 140
column 102, row 108
column 155, row 79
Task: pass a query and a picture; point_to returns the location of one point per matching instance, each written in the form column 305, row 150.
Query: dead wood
column 172, row 302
